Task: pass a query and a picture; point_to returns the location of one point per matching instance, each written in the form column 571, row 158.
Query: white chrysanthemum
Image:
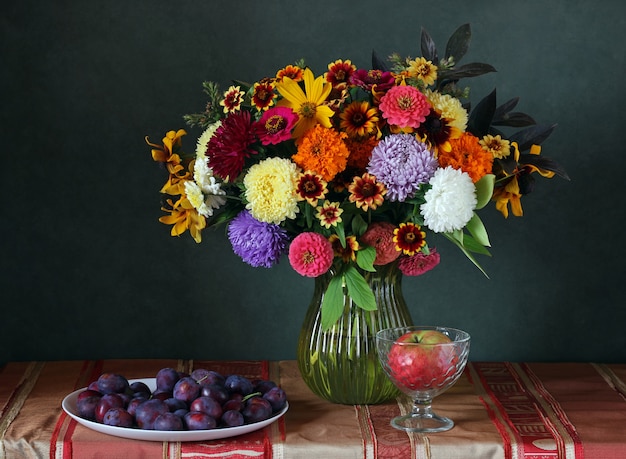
column 204, row 138
column 451, row 201
column 203, row 204
column 203, row 175
column 450, row 108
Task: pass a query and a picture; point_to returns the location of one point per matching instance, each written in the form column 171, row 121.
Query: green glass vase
column 340, row 364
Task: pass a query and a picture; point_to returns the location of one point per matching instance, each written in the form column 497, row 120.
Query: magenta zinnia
column 419, row 263
column 310, row 254
column 404, row 106
column 275, row 125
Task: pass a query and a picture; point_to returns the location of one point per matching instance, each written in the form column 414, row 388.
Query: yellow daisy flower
column 307, row 104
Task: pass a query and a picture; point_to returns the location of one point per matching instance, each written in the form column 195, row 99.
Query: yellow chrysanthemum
column 307, row 104
column 423, row 70
column 271, row 187
column 449, row 107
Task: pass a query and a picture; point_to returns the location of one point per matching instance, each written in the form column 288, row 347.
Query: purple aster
column 257, row 243
column 402, row 163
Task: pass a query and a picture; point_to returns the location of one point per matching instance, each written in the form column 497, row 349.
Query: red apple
column 419, row 361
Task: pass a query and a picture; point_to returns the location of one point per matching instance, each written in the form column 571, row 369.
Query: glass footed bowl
column 423, row 362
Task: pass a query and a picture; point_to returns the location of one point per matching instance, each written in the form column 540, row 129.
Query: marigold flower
column 409, row 238
column 360, row 151
column 275, row 125
column 366, row 192
column 380, row 236
column 307, row 104
column 468, row 155
column 497, row 146
column 270, row 190
column 310, row 254
column 311, row 187
column 263, row 95
column 329, row 214
column 404, row 106
column 233, row 99
column 347, row 253
column 423, row 70
column 359, row 119
column 323, row 151
column 419, row 263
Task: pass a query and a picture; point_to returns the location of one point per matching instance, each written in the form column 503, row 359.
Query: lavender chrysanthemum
column 258, row 243
column 402, row 163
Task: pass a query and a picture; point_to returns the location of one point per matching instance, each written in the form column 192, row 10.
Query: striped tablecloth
column 501, row 410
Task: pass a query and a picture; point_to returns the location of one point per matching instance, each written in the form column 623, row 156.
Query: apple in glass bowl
column 423, row 362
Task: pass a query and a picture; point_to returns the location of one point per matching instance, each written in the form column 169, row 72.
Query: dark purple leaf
column 459, row 42
column 429, row 50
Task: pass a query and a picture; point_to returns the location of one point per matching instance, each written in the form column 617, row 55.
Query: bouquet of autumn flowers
column 353, row 168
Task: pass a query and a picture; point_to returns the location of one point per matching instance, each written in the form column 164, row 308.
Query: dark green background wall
column 87, row 271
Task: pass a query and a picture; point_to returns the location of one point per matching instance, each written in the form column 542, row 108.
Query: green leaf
column 341, row 233
column 365, row 258
column 467, row 253
column 359, row 290
column 359, row 225
column 459, row 42
column 474, row 246
column 477, row 229
column 332, row 304
column 484, row 190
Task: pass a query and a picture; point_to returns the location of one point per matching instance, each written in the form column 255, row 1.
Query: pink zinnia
column 310, row 254
column 275, row 125
column 419, row 263
column 404, row 106
column 380, row 236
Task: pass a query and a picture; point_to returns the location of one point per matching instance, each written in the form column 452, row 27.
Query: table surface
column 500, row 409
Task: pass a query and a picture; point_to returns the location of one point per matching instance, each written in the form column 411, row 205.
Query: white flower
column 204, row 138
column 203, row 204
column 451, row 201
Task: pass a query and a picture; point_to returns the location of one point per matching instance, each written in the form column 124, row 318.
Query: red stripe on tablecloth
column 563, row 420
column 259, row 442
column 85, row 376
column 496, row 412
column 527, row 407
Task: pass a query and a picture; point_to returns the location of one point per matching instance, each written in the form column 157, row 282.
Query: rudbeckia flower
column 311, row 187
column 359, row 119
column 366, row 192
column 409, row 238
column 307, row 104
column 263, row 95
column 347, row 253
column 329, row 214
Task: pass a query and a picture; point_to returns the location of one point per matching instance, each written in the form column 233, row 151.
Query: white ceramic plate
column 69, row 405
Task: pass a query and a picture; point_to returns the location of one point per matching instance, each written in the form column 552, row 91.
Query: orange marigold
column 468, row 155
column 360, row 151
column 323, row 151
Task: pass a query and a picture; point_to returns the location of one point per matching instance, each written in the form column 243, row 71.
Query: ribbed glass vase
column 340, row 364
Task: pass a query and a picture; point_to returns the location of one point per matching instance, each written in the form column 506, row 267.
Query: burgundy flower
column 230, row 146
column 368, row 79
